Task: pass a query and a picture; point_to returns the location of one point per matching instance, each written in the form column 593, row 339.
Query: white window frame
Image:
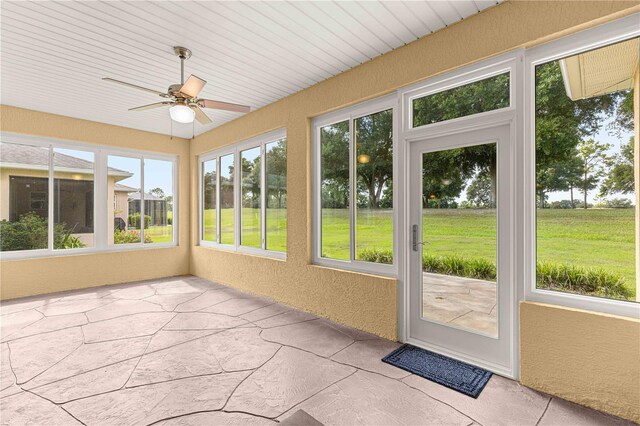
column 350, row 114
column 236, row 149
column 606, row 34
column 100, row 196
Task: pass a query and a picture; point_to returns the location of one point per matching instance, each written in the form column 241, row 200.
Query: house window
column 124, row 180
column 251, row 200
column 480, row 96
column 209, row 200
column 353, row 194
column 24, row 208
column 227, row 201
column 276, row 195
column 73, row 193
column 585, row 179
column 56, row 194
column 158, row 199
column 258, row 224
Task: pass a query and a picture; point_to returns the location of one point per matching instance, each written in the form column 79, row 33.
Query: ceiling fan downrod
column 183, row 53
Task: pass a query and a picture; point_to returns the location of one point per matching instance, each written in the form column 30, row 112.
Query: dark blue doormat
column 449, row 372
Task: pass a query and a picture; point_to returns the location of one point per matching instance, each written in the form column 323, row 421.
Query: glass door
column 461, row 286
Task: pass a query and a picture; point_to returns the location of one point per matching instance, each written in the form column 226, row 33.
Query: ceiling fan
column 183, row 97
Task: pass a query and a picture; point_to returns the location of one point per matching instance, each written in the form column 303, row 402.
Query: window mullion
column 237, row 196
column 218, row 208
column 142, row 218
column 50, row 201
column 263, row 195
column 101, row 200
column 352, row 194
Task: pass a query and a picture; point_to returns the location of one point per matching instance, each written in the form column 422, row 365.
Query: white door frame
column 512, row 62
column 492, row 353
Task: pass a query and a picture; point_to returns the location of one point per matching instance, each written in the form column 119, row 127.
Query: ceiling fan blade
column 192, row 86
column 225, row 106
column 135, row 86
column 151, row 106
column 200, row 115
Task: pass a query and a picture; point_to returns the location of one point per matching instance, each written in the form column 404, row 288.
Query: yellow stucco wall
column 366, row 302
column 27, row 277
column 592, row 359
column 369, row 302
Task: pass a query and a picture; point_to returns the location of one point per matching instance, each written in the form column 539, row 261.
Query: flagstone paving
column 186, row 351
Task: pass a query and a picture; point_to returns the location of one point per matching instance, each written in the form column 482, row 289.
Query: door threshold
column 494, row 368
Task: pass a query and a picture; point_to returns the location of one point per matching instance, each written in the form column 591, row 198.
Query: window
column 142, row 207
column 62, row 197
column 251, row 206
column 480, row 96
column 209, row 200
column 259, row 190
column 124, row 182
column 586, row 186
column 73, row 198
column 276, row 195
column 227, row 213
column 158, row 201
column 25, row 214
column 354, row 226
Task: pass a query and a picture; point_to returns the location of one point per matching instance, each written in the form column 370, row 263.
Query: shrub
column 550, row 275
column 577, row 279
column 618, row 203
column 134, row 220
column 30, row 232
column 460, row 266
column 376, row 255
column 128, row 237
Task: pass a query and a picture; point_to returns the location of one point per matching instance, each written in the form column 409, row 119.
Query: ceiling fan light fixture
column 182, row 113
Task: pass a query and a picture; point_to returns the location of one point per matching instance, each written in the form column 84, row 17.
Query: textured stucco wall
column 19, row 278
column 363, row 301
column 592, row 359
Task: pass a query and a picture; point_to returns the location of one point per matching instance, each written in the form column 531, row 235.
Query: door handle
column 414, row 238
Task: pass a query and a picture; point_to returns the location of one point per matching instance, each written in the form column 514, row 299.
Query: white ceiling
column 54, row 54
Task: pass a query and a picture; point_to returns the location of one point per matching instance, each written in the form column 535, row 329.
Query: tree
column 277, row 173
column 620, row 177
column 562, row 123
column 480, row 191
column 334, row 146
column 158, row 192
column 593, row 157
column 374, row 139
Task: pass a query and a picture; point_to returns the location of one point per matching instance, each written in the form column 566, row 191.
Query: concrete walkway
column 186, row 351
column 463, row 302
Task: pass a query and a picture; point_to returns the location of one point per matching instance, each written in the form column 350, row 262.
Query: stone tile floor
column 185, row 351
column 464, row 302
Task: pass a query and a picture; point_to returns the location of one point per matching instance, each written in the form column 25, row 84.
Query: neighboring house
column 155, row 207
column 24, row 187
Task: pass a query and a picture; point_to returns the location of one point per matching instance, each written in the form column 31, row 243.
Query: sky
column 605, row 135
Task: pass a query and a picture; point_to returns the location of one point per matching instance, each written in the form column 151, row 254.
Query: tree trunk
column 573, row 205
column 541, row 198
column 584, row 189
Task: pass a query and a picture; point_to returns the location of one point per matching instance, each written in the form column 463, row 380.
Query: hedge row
column 550, row 275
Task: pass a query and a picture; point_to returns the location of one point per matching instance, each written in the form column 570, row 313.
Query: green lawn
column 276, row 227
column 160, row 234
column 592, row 238
column 589, row 238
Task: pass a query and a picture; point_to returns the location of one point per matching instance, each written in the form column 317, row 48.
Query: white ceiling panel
column 54, row 54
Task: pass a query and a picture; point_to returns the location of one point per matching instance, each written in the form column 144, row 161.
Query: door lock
column 414, row 238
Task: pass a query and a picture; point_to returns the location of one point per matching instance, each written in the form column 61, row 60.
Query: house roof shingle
column 39, row 158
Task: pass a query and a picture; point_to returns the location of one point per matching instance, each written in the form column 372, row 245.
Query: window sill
column 376, row 269
column 253, row 251
column 42, row 254
column 586, row 303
